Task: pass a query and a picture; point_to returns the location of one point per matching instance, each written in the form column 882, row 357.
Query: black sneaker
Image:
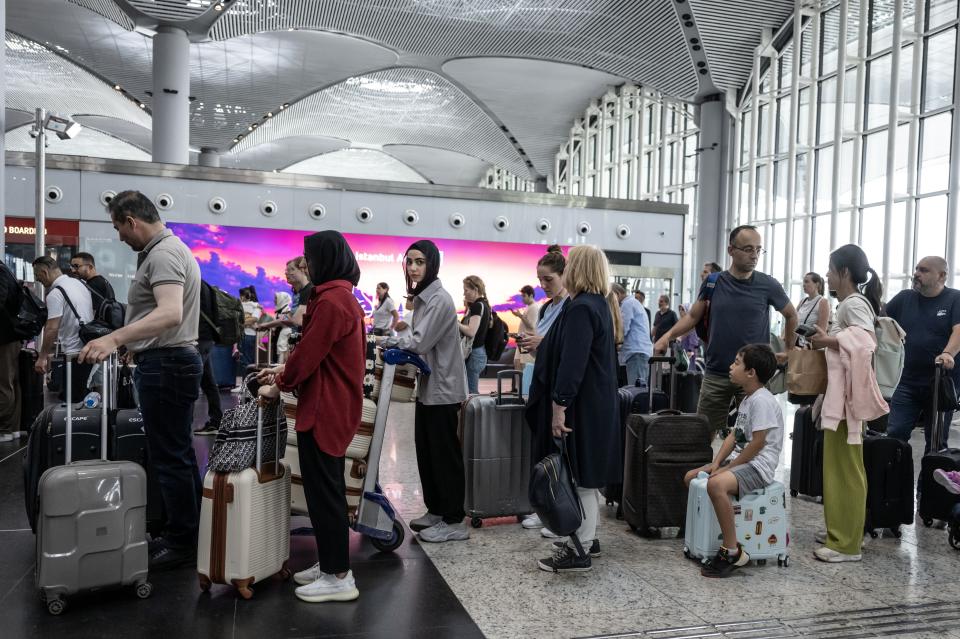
column 208, row 429
column 594, row 547
column 723, row 564
column 164, row 557
column 565, row 559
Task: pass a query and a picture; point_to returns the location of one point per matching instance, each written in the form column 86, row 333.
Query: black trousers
column 208, row 384
column 440, row 460
column 326, row 495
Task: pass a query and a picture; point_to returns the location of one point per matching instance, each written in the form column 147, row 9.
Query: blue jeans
column 909, row 404
column 248, row 354
column 638, row 367
column 475, row 365
column 168, row 382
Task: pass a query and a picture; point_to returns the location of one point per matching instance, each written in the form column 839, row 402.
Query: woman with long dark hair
column 385, row 316
column 434, row 336
column 859, row 290
column 326, row 371
column 475, row 323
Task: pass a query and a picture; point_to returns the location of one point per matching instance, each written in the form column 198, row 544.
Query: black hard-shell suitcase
column 632, row 400
column 31, row 388
column 889, row 465
column 935, row 501
column 686, row 399
column 806, row 460
column 661, row 448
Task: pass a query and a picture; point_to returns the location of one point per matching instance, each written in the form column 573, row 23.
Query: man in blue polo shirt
column 636, row 349
column 930, row 315
column 739, row 304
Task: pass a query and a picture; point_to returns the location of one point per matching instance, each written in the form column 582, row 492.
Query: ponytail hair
column 853, row 260
column 554, row 259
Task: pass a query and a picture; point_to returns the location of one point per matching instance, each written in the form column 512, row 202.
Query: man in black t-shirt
column 739, row 314
column 84, row 268
column 665, row 318
column 930, row 315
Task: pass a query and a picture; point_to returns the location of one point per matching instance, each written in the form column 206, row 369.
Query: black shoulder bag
column 553, row 495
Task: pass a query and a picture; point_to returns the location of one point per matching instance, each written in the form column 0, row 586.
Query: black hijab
column 432, row 253
column 329, row 258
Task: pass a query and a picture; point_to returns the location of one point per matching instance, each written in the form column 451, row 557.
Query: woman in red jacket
column 326, row 370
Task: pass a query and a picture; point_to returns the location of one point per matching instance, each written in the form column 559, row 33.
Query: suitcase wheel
column 794, row 493
column 56, row 606
column 476, row 522
column 783, row 562
column 954, row 538
column 897, row 533
column 389, row 545
column 873, row 534
column 144, row 589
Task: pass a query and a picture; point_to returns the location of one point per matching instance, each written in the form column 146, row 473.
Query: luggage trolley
column 376, row 517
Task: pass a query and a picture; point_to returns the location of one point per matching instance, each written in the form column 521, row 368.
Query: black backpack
column 496, row 339
column 109, row 313
column 227, row 322
column 31, row 317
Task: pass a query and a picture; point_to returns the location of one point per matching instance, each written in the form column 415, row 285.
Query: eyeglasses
column 751, row 250
column 75, row 267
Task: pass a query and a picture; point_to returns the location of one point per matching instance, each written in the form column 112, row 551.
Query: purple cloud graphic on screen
column 231, row 257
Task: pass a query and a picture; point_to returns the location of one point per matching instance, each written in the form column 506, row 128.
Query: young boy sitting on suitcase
column 748, row 456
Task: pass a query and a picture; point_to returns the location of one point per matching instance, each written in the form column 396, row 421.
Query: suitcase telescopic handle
column 516, row 378
column 937, row 415
column 68, row 365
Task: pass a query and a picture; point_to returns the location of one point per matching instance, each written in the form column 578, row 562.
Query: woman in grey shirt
column 434, row 336
column 385, row 316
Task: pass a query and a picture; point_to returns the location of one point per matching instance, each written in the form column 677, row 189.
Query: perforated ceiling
column 364, row 164
column 477, row 81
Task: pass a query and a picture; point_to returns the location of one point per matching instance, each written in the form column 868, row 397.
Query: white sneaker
column 832, row 556
column 443, row 531
column 6, row 437
column 549, row 534
column 309, row 575
column 532, row 522
column 425, row 521
column 329, row 588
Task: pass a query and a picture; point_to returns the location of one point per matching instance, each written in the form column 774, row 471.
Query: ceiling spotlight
column 218, row 7
column 269, row 115
column 143, row 106
column 254, row 125
column 116, row 87
column 235, row 140
column 285, row 105
column 249, row 128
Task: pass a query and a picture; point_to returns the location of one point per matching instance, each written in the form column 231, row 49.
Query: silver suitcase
column 496, row 452
column 91, row 523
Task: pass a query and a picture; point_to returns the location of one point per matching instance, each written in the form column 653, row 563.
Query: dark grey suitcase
column 496, row 453
column 91, row 523
column 660, row 449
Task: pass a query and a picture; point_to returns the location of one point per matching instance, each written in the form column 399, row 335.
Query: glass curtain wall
column 634, row 143
column 844, row 134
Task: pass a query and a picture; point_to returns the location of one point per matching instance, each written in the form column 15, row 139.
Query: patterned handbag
column 235, row 447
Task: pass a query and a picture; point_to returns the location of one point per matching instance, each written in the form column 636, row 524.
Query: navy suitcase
column 806, row 460
column 889, row 466
column 935, row 501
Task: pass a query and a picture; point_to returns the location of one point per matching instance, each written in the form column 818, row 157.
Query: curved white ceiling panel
column 235, row 82
column 108, row 9
column 538, row 101
column 37, row 77
column 14, row 119
column 397, row 106
column 135, row 134
column 363, row 164
column 634, row 39
column 439, row 165
column 89, row 143
column 731, row 30
column 279, row 154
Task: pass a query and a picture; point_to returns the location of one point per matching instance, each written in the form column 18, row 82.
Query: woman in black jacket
column 574, row 394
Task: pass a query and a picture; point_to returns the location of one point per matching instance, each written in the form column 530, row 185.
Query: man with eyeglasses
column 84, row 267
column 738, row 300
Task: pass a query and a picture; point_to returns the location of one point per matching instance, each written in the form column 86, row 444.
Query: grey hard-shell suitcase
column 496, row 452
column 91, row 523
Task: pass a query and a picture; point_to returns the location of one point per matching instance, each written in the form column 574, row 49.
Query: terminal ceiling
column 436, row 90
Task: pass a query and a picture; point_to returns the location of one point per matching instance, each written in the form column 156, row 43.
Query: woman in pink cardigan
column 859, row 290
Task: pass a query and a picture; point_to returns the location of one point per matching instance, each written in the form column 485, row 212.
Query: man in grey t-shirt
column 160, row 331
column 739, row 301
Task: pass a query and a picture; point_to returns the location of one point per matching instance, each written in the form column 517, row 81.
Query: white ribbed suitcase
column 245, row 525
